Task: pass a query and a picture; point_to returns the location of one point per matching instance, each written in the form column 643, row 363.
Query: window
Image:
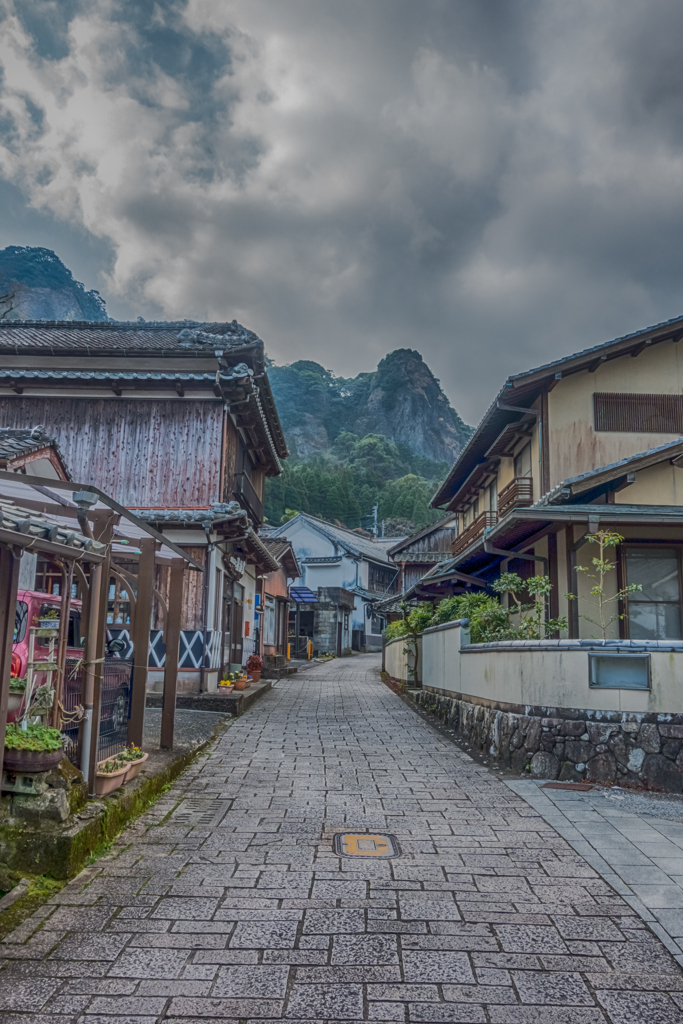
column 269, row 621
column 523, row 461
column 20, row 621
column 654, row 613
column 646, row 414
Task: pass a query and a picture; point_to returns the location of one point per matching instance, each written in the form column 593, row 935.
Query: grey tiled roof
column 120, row 335
column 34, row 524
column 595, row 348
column 16, row 441
column 348, row 539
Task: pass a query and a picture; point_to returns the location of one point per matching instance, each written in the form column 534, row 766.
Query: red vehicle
column 31, row 606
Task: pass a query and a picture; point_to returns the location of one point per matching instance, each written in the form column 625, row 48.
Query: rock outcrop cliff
column 35, row 285
column 402, row 400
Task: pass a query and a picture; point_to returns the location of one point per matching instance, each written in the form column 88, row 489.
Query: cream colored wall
column 574, row 445
column 396, row 662
column 657, row 485
column 551, row 678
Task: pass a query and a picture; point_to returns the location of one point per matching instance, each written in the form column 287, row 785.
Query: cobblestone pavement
column 226, row 901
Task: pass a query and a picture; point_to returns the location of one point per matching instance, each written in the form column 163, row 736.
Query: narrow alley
column 230, row 900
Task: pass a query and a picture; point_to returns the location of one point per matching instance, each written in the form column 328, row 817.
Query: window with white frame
column 654, row 613
column 269, row 620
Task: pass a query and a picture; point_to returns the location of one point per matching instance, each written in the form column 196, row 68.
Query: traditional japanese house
column 274, row 603
column 588, row 442
column 176, row 421
column 343, row 562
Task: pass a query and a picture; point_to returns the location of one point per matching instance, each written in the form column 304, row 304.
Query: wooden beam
column 9, row 584
column 141, row 628
column 172, row 638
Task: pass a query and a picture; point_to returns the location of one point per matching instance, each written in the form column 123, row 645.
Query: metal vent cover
column 207, row 812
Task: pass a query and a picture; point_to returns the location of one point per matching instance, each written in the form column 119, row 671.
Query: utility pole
column 374, row 521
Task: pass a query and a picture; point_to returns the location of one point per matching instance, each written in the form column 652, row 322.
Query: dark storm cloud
column 491, row 183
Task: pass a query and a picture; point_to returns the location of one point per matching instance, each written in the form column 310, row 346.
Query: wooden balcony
column 519, row 493
column 474, row 531
column 248, row 498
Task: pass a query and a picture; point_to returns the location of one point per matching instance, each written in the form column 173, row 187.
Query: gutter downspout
column 205, row 604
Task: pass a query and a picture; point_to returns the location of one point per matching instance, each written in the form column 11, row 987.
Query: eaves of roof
column 642, row 460
column 180, row 339
column 351, row 542
column 522, row 389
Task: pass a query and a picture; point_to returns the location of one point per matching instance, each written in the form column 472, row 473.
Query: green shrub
column 34, row 737
column 488, row 619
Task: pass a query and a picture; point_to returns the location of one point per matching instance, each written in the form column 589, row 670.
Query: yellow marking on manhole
column 350, row 844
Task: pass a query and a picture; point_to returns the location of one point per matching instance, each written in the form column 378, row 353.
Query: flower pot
column 107, row 782
column 226, row 689
column 31, row 760
column 135, row 767
column 240, row 684
column 256, row 675
column 52, row 625
column 14, row 700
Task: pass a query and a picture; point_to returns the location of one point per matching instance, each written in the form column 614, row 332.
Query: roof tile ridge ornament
column 234, row 337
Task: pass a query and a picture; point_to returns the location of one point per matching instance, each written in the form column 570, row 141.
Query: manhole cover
column 200, row 812
column 353, row 844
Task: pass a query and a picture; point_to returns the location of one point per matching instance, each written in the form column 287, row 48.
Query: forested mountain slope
column 385, row 438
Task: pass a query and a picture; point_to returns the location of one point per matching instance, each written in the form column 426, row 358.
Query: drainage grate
column 207, row 813
column 361, row 844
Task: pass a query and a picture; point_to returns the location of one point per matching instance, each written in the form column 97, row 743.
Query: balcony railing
column 474, row 531
column 248, row 498
column 519, row 493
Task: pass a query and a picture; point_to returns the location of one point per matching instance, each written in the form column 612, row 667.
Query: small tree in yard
column 533, row 626
column 410, row 627
column 602, row 567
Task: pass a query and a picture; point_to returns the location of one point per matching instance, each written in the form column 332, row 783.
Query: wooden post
column 173, row 623
column 554, row 602
column 100, row 631
column 9, row 584
column 141, row 628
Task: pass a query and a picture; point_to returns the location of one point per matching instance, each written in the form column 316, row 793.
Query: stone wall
column 623, row 748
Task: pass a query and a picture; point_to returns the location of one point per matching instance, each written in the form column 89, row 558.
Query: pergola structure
column 79, row 525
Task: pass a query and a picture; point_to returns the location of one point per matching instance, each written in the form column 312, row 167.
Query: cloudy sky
column 491, row 182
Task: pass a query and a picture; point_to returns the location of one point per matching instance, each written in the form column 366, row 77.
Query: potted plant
column 17, row 689
column 227, row 685
column 255, row 667
column 48, row 621
column 111, row 773
column 35, row 748
column 241, row 681
column 134, row 757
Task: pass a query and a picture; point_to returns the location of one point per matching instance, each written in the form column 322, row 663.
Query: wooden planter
column 135, row 767
column 32, row 760
column 107, row 782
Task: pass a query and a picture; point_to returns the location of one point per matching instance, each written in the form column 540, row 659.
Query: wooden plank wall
column 162, row 453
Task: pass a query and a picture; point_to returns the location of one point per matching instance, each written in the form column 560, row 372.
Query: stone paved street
column 227, row 902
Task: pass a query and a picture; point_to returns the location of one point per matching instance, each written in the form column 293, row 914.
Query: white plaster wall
column 554, row 678
column 396, row 662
